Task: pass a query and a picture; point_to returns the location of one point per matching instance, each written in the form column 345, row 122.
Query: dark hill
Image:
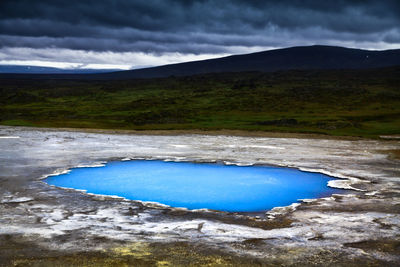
column 295, row 58
column 27, row 69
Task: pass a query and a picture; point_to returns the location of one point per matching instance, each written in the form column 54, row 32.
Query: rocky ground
column 41, row 225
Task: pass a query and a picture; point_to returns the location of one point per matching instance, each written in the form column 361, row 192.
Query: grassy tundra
column 336, row 102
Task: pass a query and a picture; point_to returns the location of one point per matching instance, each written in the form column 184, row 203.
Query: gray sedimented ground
column 39, row 222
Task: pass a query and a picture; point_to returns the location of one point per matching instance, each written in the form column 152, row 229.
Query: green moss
column 17, row 123
column 356, row 103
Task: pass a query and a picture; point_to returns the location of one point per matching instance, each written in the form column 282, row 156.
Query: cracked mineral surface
column 41, row 225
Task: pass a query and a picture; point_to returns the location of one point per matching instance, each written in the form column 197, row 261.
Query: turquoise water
column 199, row 185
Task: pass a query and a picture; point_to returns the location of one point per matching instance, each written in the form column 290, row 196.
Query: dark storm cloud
column 213, row 26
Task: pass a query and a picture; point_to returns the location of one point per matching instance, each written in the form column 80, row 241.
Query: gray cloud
column 196, row 27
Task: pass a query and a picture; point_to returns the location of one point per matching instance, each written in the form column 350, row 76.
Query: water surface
column 199, row 185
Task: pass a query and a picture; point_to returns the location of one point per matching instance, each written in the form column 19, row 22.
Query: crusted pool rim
column 359, row 227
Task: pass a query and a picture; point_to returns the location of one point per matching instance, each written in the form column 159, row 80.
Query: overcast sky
column 131, row 34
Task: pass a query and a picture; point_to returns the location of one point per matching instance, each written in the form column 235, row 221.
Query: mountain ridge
column 30, row 69
column 316, row 57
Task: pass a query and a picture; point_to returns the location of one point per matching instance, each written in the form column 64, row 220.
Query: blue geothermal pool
column 199, row 185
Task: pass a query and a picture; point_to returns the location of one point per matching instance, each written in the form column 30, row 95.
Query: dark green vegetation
column 336, row 102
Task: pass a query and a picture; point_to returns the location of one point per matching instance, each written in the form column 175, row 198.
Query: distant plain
column 364, row 103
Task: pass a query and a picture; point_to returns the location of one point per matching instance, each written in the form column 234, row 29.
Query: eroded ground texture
column 41, row 225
